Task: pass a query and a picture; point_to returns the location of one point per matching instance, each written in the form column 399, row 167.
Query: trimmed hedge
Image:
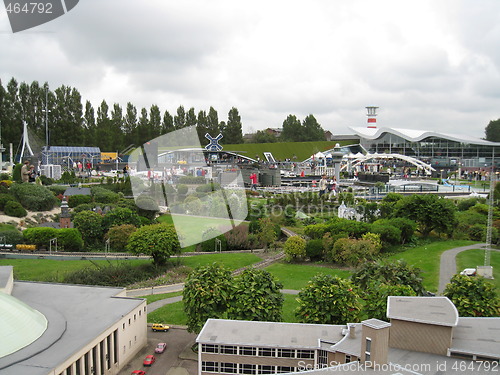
column 12, row 234
column 33, row 197
column 76, row 200
column 4, row 198
column 68, row 239
column 13, row 208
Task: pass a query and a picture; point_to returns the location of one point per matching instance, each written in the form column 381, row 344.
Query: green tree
column 154, row 121
column 143, row 134
column 312, row 130
column 118, row 236
column 213, row 122
column 390, row 273
column 328, row 299
column 375, row 297
column 180, row 118
column 233, row 133
column 89, row 223
column 104, row 127
column 202, row 127
column 292, row 129
column 159, row 241
column 206, row 295
column 191, row 117
column 473, row 296
column 130, row 125
column 430, row 212
column 294, row 248
column 120, row 216
column 261, row 136
column 256, row 295
column 266, row 233
column 89, row 125
column 168, row 123
column 493, row 131
column 116, row 127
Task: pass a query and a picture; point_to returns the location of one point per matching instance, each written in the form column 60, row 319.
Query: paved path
column 448, row 264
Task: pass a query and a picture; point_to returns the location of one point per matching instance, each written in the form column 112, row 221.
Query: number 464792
column 28, row 8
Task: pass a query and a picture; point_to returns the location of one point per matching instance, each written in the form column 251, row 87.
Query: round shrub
column 103, row 195
column 4, row 198
column 57, row 189
column 147, row 207
column 294, row 248
column 207, row 188
column 76, row 200
column 33, row 197
column 119, row 216
column 316, row 231
column 389, row 234
column 89, row 223
column 118, row 236
column 314, row 249
column 69, row 239
column 254, row 226
column 16, row 173
column 14, row 209
column 182, row 189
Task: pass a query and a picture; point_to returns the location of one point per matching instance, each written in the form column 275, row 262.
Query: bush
column 4, row 198
column 12, row 234
column 347, row 251
column 118, row 236
column 69, row 239
column 465, row 204
column 354, row 229
column 89, row 224
column 390, row 235
column 147, row 207
column 13, row 208
column 119, row 216
column 237, row 238
column 207, row 188
column 39, row 236
column 314, row 249
column 57, row 189
column 316, row 231
column 102, row 195
column 294, row 248
column 16, row 173
column 254, row 226
column 68, row 177
column 33, row 197
column 46, row 181
column 76, row 200
column 182, row 189
column 190, row 180
column 84, row 207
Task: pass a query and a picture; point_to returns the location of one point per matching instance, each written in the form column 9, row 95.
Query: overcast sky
column 431, row 65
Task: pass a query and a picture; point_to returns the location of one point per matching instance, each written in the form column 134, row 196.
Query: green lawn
column 296, row 276
column 150, row 298
column 52, row 270
column 289, row 306
column 474, row 258
column 427, row 258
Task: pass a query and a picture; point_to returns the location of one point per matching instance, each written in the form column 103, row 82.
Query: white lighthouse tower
column 372, row 117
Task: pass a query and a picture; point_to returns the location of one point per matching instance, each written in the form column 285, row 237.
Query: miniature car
column 138, row 372
column 469, row 272
column 160, row 348
column 149, row 360
column 160, row 327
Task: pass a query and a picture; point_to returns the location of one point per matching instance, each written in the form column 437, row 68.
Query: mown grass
column 427, row 257
column 474, row 258
column 296, row 276
column 232, row 261
column 150, row 298
column 50, row 270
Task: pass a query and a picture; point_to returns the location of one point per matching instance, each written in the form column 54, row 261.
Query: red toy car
column 138, row 372
column 149, row 360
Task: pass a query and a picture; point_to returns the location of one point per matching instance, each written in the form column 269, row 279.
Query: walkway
column 448, row 264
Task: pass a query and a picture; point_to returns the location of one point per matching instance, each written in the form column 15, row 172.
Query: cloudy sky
column 428, row 64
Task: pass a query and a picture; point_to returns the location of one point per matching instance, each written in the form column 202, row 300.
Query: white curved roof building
column 434, row 146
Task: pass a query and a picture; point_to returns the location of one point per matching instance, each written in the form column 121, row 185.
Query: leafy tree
column 104, row 127
column 202, row 127
column 493, row 131
column 154, row 122
column 143, row 134
column 120, row 216
column 473, row 296
column 191, row 117
column 116, row 124
column 233, row 133
column 328, row 299
column 168, row 123
column 118, row 236
column 430, row 212
column 266, row 232
column 294, row 248
column 256, row 296
column 386, row 206
column 159, row 241
column 262, row 136
column 89, row 125
column 130, row 125
column 376, row 298
column 180, row 118
column 206, row 294
column 292, row 129
column 213, row 122
column 391, row 273
column 312, row 130
column 89, row 223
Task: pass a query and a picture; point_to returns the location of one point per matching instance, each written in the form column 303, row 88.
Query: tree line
column 109, row 127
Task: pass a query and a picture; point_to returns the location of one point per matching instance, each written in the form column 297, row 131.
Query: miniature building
column 65, row 216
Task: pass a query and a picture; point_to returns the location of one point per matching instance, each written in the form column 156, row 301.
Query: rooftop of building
column 268, row 334
column 418, row 135
column 478, row 336
column 71, row 312
column 430, row 310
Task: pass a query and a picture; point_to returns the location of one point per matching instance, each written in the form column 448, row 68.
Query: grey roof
column 268, row 334
column 431, row 310
column 480, row 336
column 349, row 345
column 75, row 149
column 376, row 323
column 76, row 316
column 76, row 191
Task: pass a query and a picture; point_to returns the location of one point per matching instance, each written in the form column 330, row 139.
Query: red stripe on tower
column 372, row 117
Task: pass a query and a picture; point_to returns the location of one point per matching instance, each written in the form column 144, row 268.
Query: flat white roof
column 430, row 310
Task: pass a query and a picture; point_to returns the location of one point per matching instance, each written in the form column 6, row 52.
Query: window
column 229, row 368
column 208, row 348
column 264, row 369
column 267, row 352
column 284, row 369
column 210, row 366
column 322, row 358
column 286, row 353
column 248, row 350
column 135, row 317
column 347, row 358
column 305, row 354
column 368, row 344
column 228, row 349
column 123, row 326
column 129, row 321
column 248, row 369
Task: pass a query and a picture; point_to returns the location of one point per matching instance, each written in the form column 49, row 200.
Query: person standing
column 25, row 172
column 253, row 178
column 323, row 185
